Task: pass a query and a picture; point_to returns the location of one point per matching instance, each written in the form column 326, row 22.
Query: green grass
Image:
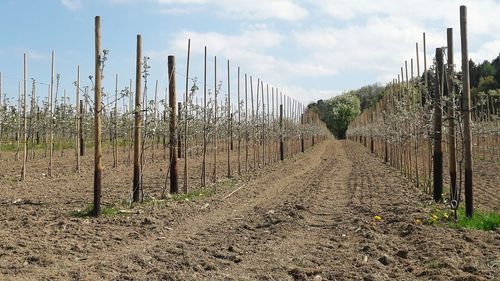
column 206, row 192
column 480, row 220
column 193, row 194
column 113, row 209
column 107, row 211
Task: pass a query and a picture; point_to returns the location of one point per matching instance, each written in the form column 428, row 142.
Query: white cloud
column 378, row 36
column 487, row 51
column 364, row 41
column 73, row 5
column 256, row 52
column 175, row 11
column 285, row 10
column 35, row 55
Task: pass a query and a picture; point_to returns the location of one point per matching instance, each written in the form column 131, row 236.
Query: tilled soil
column 308, row 218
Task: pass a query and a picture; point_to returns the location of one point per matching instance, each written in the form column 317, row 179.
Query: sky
column 308, row 49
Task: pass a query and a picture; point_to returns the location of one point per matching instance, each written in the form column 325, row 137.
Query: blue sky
column 310, row 49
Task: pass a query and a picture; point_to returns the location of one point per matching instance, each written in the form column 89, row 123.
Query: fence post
column 137, row 122
column 466, row 116
column 302, row 147
column 186, row 123
column 97, row 119
column 438, row 153
column 282, row 147
column 77, row 120
column 451, row 118
column 25, row 121
column 80, row 128
column 174, row 184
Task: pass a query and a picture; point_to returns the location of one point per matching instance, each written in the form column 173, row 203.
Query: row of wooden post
column 175, row 140
column 400, row 154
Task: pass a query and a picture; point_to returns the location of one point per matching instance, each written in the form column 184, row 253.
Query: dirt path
column 309, row 218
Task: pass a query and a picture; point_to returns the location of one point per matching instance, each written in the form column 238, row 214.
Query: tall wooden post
column 426, row 81
column 466, row 116
column 97, row 119
column 418, row 62
column 246, row 123
column 282, row 146
column 239, row 124
column 229, row 123
column 115, row 125
column 438, row 111
column 302, row 146
column 204, row 163
column 263, row 124
column 186, row 120
column 136, row 183
column 179, row 133
column 452, row 164
column 215, row 120
column 1, row 109
column 77, row 120
column 174, row 184
column 406, row 74
column 51, row 106
column 80, row 128
column 25, row 120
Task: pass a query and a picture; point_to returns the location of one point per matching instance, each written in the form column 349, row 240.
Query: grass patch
column 205, row 192
column 106, row 211
column 121, row 207
column 480, row 220
column 193, row 194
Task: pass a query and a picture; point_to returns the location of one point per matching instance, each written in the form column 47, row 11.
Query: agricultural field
column 185, row 166
column 285, row 222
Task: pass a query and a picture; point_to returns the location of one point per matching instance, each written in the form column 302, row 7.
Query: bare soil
column 308, row 218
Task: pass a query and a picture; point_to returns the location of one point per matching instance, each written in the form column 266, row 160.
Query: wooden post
column 215, row 120
column 267, row 124
column 80, row 128
column 406, row 73
column 186, row 120
column 115, row 129
column 204, row 163
column 466, row 116
column 274, row 142
column 63, row 113
column 452, row 164
column 302, row 147
column 25, row 120
column 97, row 119
column 51, row 106
column 179, row 133
column 438, row 154
column 33, row 130
column 1, row 109
column 426, row 88
column 239, row 124
column 131, row 122
column 174, row 184
column 229, row 123
column 77, row 120
column 282, row 147
column 136, row 183
column 18, row 120
column 263, row 124
column 252, row 119
column 246, row 123
column 418, row 62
